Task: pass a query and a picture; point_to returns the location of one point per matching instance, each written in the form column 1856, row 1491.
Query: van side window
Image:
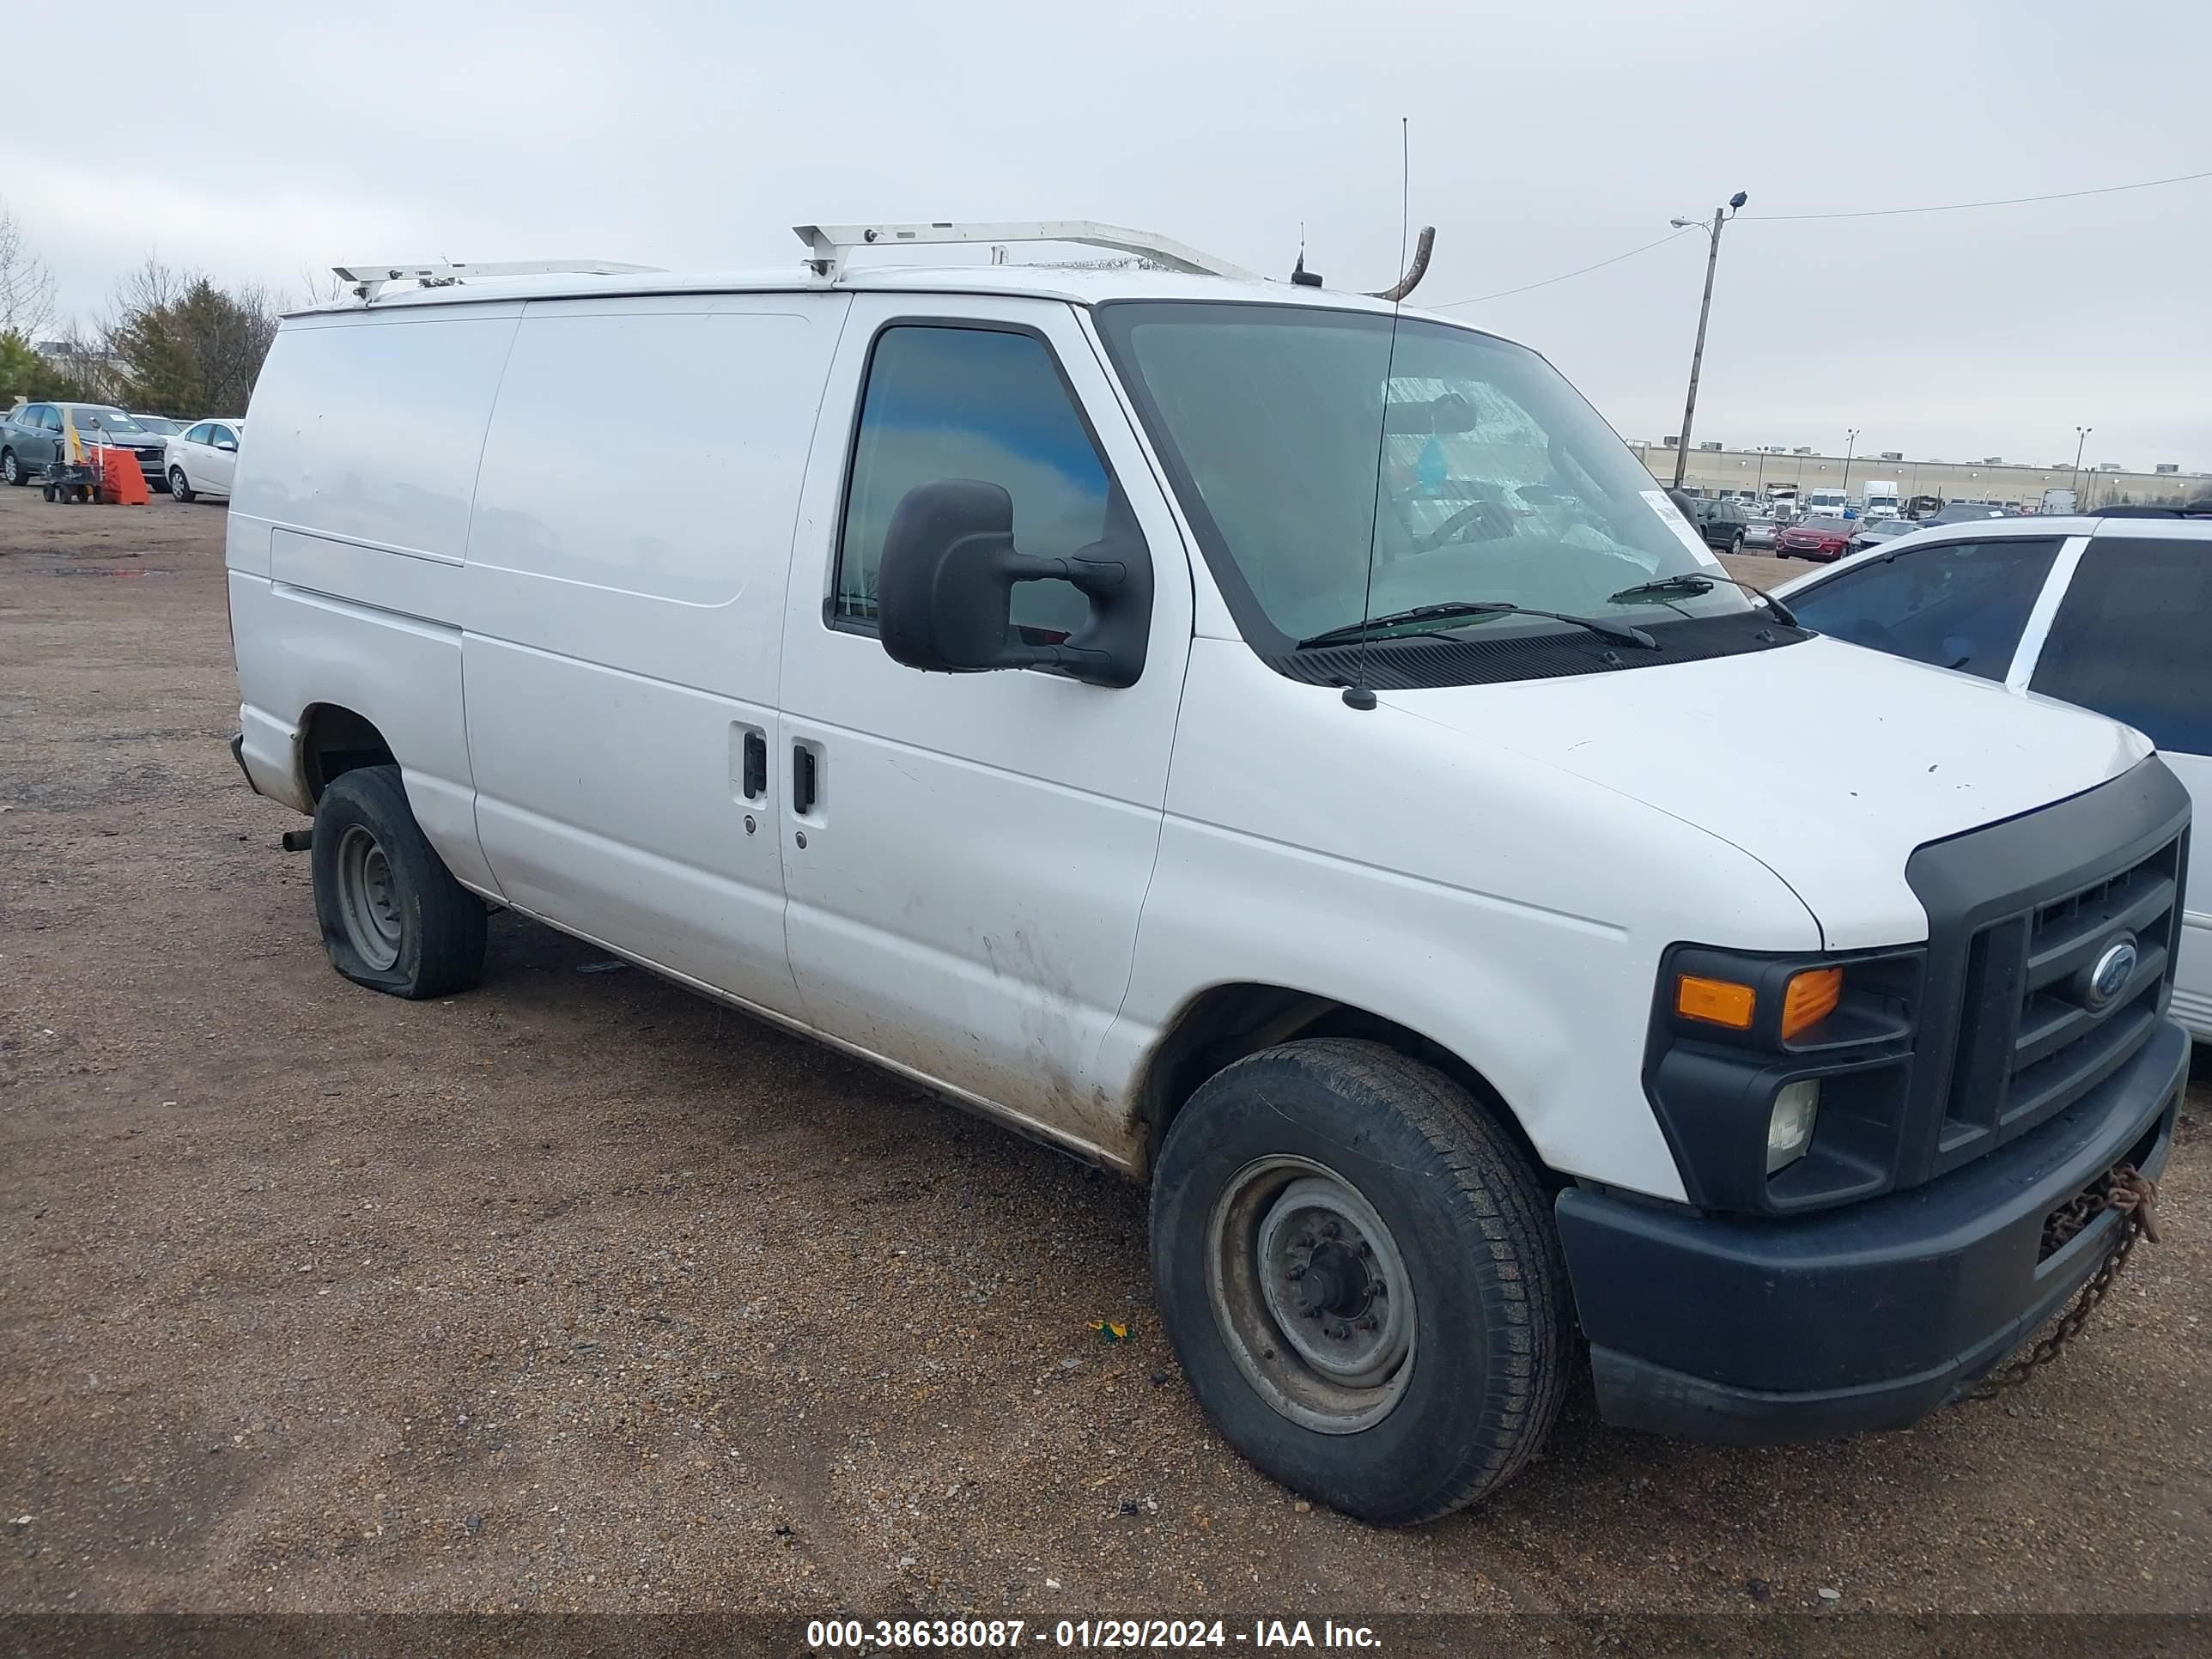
column 974, row 402
column 1957, row 605
column 2128, row 640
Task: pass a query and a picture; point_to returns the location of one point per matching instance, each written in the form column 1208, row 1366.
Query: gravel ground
column 579, row 1292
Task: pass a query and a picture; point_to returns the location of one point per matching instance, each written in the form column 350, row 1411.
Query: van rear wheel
column 1360, row 1275
column 392, row 917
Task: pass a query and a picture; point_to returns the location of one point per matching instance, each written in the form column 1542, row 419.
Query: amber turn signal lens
column 1717, row 1001
column 1811, row 998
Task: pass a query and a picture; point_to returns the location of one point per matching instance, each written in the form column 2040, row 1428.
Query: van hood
column 1828, row 762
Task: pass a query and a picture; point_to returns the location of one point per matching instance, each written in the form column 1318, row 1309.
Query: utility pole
column 2081, row 439
column 1704, row 311
column 1850, row 444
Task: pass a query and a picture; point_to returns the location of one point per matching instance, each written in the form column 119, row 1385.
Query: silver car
column 36, row 436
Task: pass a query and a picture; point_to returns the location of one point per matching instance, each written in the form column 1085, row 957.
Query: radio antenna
column 1359, row 694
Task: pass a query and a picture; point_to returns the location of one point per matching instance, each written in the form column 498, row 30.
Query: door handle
column 804, row 779
column 755, row 765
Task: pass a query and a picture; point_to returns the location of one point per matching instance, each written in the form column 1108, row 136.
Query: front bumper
column 1868, row 1317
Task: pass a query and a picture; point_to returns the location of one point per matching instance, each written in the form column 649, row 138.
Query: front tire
column 179, row 486
column 11, row 470
column 392, row 917
column 1361, row 1278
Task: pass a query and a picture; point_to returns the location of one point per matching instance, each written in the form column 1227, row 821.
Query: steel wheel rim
column 1311, row 1294
column 368, row 899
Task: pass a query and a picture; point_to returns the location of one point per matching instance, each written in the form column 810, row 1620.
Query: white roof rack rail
column 827, row 244
column 369, row 275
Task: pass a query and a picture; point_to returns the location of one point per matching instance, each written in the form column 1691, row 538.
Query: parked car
column 1817, row 537
column 159, row 425
column 930, row 734
column 39, row 435
column 203, row 459
column 1760, row 531
column 1874, row 534
column 2108, row 613
column 1965, row 513
column 1722, row 524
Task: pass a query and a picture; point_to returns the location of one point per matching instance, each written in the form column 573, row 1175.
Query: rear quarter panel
column 349, row 524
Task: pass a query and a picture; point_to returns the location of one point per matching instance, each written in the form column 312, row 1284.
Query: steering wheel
column 1447, row 532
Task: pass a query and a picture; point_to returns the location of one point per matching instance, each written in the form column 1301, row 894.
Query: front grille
column 2029, row 1043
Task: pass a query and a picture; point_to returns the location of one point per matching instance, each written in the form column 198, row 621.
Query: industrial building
column 1753, row 472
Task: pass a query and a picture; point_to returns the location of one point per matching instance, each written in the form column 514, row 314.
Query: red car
column 1815, row 539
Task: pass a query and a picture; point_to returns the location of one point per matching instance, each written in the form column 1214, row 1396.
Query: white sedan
column 202, row 459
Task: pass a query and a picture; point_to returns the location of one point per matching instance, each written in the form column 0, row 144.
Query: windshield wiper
column 1619, row 633
column 1701, row 581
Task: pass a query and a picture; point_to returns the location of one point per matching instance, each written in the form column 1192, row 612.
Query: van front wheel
column 392, row 917
column 1359, row 1273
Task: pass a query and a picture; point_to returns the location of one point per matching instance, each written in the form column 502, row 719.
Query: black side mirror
column 945, row 590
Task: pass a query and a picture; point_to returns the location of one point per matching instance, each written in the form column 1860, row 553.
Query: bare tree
column 27, row 287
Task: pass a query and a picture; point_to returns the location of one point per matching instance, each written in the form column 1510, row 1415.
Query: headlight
column 1789, row 1126
column 1745, row 1048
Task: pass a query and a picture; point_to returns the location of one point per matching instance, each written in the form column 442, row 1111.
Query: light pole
column 1704, row 310
column 1851, row 443
column 2080, row 439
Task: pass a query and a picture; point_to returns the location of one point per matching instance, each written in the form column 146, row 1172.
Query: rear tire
column 392, row 917
column 179, row 486
column 1360, row 1275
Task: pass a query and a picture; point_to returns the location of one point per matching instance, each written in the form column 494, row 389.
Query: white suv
column 1283, row 751
column 2108, row 611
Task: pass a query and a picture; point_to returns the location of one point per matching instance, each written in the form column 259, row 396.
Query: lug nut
column 1296, row 1272
column 1332, row 1230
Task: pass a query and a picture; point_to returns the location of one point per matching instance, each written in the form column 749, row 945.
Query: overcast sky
column 258, row 141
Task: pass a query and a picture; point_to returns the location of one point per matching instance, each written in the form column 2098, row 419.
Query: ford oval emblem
column 2110, row 975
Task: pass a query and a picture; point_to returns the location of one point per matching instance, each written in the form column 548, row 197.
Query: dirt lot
column 579, row 1292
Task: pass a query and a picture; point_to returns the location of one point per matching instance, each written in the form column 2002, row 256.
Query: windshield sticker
column 1671, row 516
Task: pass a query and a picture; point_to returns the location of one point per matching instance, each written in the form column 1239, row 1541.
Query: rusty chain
column 2135, row 1196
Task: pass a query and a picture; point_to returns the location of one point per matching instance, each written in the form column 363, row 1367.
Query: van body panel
column 966, row 901
column 649, row 613
column 367, row 429
column 1525, row 941
column 403, row 674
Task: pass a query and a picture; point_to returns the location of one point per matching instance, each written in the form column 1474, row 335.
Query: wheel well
column 334, row 740
column 1226, row 1023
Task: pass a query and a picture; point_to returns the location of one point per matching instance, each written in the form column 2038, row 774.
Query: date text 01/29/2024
column 1011, row 1635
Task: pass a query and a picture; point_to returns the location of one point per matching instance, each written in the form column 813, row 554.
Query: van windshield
column 1498, row 481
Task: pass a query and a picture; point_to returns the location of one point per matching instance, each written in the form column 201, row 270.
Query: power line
column 2003, row 201
column 1866, row 213
column 1479, row 299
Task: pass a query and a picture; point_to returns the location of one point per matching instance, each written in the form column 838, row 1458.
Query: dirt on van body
column 579, row 1292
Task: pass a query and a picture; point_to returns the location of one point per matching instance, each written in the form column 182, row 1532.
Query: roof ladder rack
column 370, row 276
column 827, row 244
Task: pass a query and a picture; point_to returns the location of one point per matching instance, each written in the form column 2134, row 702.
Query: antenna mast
column 1359, row 694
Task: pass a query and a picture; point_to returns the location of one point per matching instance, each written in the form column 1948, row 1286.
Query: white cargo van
column 1288, row 754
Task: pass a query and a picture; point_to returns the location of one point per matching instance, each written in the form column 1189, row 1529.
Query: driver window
column 976, row 403
column 1959, row 605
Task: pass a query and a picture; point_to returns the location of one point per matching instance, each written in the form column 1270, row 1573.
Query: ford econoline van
column 1283, row 750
